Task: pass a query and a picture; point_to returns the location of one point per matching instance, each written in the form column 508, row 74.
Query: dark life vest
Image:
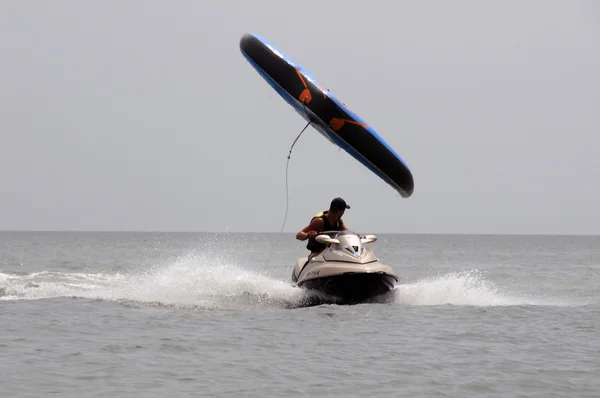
column 315, row 246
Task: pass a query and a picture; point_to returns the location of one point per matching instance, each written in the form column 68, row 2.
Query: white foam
column 197, row 280
column 208, row 281
column 469, row 288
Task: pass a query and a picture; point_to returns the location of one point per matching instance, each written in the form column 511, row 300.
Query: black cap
column 338, row 204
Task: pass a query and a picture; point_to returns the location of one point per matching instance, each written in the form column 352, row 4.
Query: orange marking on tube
column 323, row 91
column 305, row 96
column 337, row 123
column 301, row 78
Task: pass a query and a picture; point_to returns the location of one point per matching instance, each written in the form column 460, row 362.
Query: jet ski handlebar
column 328, row 237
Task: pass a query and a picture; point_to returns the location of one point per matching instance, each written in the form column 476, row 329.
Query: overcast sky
column 144, row 115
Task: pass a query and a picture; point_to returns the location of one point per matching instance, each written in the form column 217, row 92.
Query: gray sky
column 143, row 115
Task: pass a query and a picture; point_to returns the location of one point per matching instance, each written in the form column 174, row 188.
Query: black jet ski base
column 352, row 287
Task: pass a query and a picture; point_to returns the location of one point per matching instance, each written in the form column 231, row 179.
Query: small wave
column 207, row 281
column 193, row 280
column 468, row 288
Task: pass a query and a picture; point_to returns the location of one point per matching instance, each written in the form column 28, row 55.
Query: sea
column 121, row 314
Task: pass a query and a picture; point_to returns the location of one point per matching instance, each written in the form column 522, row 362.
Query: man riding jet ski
column 339, row 265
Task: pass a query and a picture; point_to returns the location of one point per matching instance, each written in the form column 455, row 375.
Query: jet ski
column 346, row 271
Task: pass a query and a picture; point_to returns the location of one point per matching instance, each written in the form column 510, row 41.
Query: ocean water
column 175, row 314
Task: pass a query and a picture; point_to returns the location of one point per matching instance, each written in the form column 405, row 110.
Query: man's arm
column 344, row 227
column 311, row 230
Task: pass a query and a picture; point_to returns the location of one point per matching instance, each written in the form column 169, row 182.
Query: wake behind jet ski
column 346, row 271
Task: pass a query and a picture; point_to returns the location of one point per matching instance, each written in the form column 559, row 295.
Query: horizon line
column 290, row 233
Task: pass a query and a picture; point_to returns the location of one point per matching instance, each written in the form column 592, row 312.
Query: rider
column 328, row 220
